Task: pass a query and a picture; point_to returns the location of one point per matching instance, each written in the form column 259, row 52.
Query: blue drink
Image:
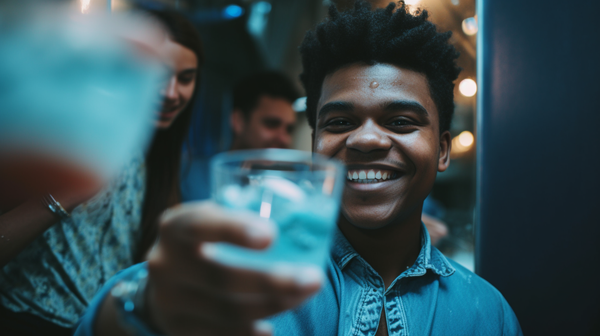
column 77, row 97
column 299, row 192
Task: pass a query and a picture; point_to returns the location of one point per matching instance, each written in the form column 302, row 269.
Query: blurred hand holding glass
column 299, row 191
column 77, row 94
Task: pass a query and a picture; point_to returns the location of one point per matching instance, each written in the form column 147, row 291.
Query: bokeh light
column 466, row 138
column 300, row 104
column 233, row 11
column 85, row 6
column 462, row 144
column 467, row 87
column 469, row 26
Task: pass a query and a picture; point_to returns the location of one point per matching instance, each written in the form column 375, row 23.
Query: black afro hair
column 393, row 36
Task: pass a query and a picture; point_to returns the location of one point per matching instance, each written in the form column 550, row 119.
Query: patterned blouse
column 57, row 275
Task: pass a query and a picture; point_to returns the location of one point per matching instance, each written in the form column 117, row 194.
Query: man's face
column 270, row 125
column 381, row 121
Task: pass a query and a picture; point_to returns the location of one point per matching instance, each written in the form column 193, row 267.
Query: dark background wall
column 232, row 53
column 538, row 233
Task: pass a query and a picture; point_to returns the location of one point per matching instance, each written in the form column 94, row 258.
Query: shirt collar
column 430, row 258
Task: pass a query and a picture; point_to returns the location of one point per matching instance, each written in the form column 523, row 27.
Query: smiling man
column 380, row 99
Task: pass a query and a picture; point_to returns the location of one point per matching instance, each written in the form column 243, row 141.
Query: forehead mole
column 374, row 85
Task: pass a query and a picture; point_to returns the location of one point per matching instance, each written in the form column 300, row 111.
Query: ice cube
column 284, row 188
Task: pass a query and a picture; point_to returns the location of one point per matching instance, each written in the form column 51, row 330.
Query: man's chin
column 369, row 226
column 368, row 221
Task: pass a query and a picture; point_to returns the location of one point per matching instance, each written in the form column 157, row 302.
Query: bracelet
column 130, row 296
column 55, row 207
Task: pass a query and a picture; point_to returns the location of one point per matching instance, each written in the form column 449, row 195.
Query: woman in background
column 53, row 264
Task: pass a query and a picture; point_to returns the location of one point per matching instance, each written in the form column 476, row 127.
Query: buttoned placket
column 374, row 300
column 374, row 297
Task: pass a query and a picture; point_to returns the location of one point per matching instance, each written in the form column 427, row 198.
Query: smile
column 168, row 113
column 370, row 176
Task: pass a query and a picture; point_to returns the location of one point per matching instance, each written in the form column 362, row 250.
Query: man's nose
column 170, row 91
column 369, row 137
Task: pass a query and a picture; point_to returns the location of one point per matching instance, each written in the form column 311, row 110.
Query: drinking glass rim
column 276, row 155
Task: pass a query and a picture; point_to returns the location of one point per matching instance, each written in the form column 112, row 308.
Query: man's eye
column 271, row 123
column 338, row 123
column 401, row 122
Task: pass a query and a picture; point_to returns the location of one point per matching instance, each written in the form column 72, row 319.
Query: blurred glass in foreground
column 299, row 191
column 77, row 95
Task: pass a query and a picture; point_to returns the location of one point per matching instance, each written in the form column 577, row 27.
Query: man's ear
column 237, row 122
column 445, row 147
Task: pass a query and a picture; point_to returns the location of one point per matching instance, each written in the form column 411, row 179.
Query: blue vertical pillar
column 538, row 218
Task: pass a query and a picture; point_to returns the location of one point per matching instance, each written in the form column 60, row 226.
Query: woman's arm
column 20, row 226
column 23, row 224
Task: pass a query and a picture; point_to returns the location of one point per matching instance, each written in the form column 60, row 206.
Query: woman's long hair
column 163, row 159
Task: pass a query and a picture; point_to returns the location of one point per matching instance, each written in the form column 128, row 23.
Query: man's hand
column 190, row 294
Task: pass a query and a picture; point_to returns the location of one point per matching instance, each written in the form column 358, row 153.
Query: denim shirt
column 435, row 296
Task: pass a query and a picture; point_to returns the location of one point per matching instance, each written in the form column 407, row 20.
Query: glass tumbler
column 299, row 191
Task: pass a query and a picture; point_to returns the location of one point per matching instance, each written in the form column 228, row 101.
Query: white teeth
column 363, row 176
